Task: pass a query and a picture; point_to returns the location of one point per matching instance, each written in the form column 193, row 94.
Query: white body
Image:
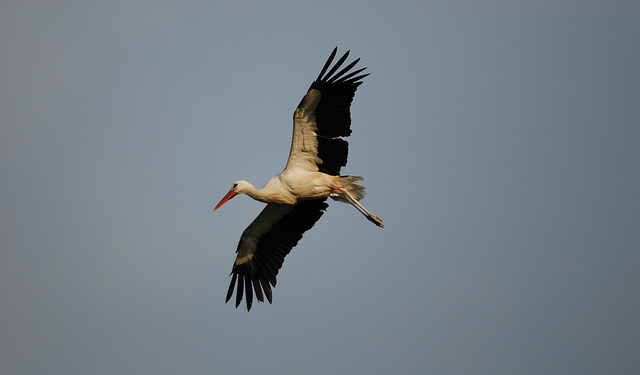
column 296, row 197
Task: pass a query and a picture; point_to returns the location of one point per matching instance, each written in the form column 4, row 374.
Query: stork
column 296, row 198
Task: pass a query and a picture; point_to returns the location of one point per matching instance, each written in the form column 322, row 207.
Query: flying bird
column 296, row 198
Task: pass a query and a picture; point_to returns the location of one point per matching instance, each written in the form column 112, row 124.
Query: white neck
column 272, row 192
column 257, row 194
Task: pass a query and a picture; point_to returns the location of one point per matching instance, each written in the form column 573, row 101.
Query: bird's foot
column 376, row 220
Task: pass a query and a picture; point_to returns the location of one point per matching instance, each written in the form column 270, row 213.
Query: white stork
column 296, row 197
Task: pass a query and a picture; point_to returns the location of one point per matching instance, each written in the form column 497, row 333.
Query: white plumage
column 296, row 197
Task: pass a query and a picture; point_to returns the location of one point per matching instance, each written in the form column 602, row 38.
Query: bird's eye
column 234, row 186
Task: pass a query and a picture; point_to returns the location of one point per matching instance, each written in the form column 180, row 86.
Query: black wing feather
column 346, row 69
column 326, row 64
column 333, row 116
column 259, row 274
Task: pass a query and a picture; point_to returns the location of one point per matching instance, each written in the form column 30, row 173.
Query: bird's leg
column 371, row 217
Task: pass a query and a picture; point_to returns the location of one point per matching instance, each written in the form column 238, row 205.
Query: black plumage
column 333, row 116
column 259, row 273
column 278, row 228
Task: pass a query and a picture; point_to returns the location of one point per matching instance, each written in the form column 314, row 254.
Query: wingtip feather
column 231, row 285
column 337, row 65
column 239, row 291
column 248, row 291
column 328, row 63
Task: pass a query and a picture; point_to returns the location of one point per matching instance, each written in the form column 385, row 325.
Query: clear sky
column 499, row 141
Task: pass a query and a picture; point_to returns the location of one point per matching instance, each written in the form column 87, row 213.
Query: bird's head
column 238, row 187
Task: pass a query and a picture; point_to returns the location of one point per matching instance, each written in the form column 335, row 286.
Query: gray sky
column 499, row 141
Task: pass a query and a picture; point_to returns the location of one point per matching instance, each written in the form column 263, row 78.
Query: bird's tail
column 351, row 192
column 350, row 184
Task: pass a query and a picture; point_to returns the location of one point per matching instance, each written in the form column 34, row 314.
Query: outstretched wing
column 323, row 116
column 265, row 243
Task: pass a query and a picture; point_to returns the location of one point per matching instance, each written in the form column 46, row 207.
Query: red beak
column 229, row 195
